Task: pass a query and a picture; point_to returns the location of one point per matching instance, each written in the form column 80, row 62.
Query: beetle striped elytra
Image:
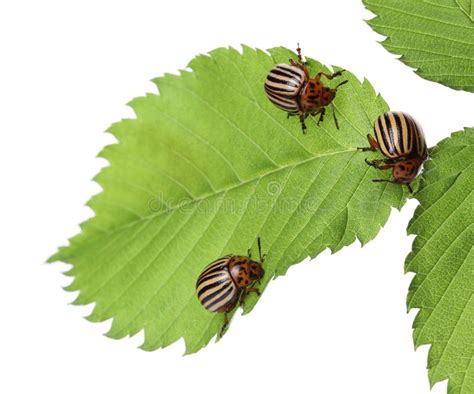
column 227, row 281
column 290, row 88
column 401, row 140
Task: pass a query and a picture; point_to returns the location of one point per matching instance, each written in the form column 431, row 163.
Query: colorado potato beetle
column 401, row 140
column 290, row 88
column 227, row 281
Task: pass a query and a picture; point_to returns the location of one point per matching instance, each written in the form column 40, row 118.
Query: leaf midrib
column 218, row 192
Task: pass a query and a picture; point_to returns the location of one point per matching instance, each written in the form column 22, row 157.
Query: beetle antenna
column 334, row 115
column 342, row 83
column 259, row 242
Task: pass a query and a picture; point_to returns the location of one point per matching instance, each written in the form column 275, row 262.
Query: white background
column 334, row 325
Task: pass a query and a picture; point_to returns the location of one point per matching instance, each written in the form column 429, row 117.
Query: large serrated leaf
column 443, row 260
column 434, row 37
column 208, row 165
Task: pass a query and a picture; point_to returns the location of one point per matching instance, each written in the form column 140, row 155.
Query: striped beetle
column 401, row 140
column 227, row 281
column 290, row 88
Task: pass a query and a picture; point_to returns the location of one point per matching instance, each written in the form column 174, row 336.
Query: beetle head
column 329, row 94
column 406, row 171
column 255, row 271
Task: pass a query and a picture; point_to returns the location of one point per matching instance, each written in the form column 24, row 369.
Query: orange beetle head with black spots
column 245, row 271
column 327, row 96
column 255, row 270
column 406, row 171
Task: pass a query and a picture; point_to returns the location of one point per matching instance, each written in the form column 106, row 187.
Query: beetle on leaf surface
column 401, row 140
column 290, row 88
column 227, row 281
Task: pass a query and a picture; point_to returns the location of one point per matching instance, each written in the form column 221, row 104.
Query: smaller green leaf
column 436, row 37
column 443, row 260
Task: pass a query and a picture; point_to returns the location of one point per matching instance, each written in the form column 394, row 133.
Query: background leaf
column 443, row 260
column 208, row 165
column 434, row 37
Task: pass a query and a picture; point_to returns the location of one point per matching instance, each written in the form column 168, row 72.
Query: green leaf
column 443, row 260
column 434, row 37
column 207, row 166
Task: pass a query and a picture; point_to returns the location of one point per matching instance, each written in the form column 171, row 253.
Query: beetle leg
column 373, row 163
column 321, row 116
column 249, row 253
column 379, row 164
column 252, row 290
column 243, row 295
column 329, row 76
column 298, row 50
column 337, row 74
column 303, row 125
column 302, row 62
column 302, row 66
column 225, row 325
column 373, row 144
column 306, row 71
